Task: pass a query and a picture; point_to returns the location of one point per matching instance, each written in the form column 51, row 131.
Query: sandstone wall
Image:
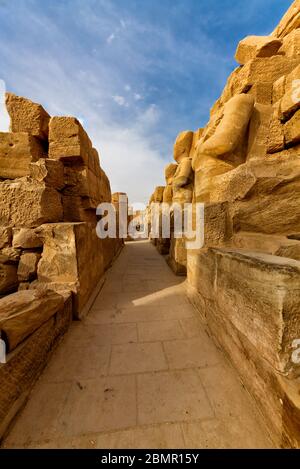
column 52, row 262
column 245, row 163
column 51, row 183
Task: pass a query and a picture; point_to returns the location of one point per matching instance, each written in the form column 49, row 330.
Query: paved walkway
column 139, row 372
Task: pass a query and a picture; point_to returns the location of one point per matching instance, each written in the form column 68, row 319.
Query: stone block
column 8, row 279
column 68, row 141
column 24, row 312
column 5, row 236
column 27, row 116
column 10, row 255
column 289, row 22
column 26, row 238
column 27, row 268
column 17, row 151
column 257, row 46
column 25, row 203
column 292, row 130
column 50, row 172
column 67, row 246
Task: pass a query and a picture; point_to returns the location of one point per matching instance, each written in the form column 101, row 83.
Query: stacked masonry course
column 52, row 263
column 245, row 167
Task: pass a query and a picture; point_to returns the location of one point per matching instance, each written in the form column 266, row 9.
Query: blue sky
column 136, row 72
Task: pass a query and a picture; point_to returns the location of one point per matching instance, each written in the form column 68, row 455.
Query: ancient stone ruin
column 52, row 263
column 244, row 167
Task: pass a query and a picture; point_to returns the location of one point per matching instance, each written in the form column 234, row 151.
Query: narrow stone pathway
column 139, row 372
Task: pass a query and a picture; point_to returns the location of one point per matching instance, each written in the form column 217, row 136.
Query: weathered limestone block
column 266, row 195
column 72, row 259
column 50, row 172
column 10, row 255
column 278, row 89
column 28, row 204
column 289, row 22
column 276, row 140
column 259, row 70
column 277, row 245
column 27, row 268
column 24, row 286
column 105, row 191
column 257, row 46
column 177, row 258
column 291, row 44
column 17, row 151
column 68, row 141
column 8, row 278
column 25, row 364
column 250, row 303
column 26, row 238
column 217, row 228
column 270, row 317
column 262, row 93
column 27, row 116
column 5, row 236
column 292, row 130
column 83, row 182
column 183, row 145
column 77, row 209
column 259, row 131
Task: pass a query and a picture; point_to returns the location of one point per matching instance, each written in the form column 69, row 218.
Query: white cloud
column 120, row 100
column 127, row 87
column 4, row 117
column 110, row 38
column 137, row 96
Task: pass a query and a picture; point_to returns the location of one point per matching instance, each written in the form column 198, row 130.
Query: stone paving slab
column 140, row 371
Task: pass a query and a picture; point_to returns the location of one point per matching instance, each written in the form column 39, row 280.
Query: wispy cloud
column 135, row 76
column 110, row 38
column 120, row 100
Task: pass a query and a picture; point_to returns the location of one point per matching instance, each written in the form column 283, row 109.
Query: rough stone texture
column 8, row 278
column 25, row 364
column 27, row 268
column 27, row 116
column 64, row 263
column 26, row 238
column 26, row 203
column 257, row 46
column 289, row 22
column 292, row 130
column 22, row 313
column 5, row 236
column 68, row 141
column 17, row 151
column 50, row 172
column 222, row 283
